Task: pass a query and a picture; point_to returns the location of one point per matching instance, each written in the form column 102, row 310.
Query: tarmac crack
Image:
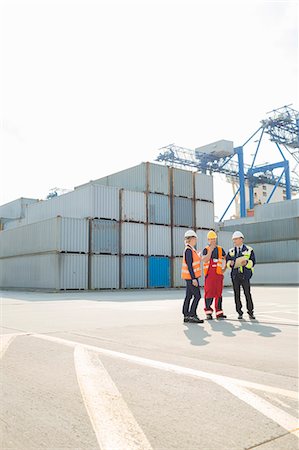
column 271, row 440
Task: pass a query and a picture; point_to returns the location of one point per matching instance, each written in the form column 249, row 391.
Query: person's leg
column 197, row 296
column 208, row 307
column 237, row 292
column 188, row 296
column 247, row 293
column 218, row 308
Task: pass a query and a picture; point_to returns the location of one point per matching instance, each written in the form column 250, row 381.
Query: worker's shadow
column 196, row 333
column 261, row 330
column 224, row 327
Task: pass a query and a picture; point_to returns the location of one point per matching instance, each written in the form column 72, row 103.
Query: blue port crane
column 282, row 129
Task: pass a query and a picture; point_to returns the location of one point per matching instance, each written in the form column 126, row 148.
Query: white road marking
column 279, row 319
column 5, row 340
column 233, row 385
column 114, row 424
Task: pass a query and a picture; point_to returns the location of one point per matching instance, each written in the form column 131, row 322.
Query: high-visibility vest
column 195, row 264
column 218, row 261
column 247, row 254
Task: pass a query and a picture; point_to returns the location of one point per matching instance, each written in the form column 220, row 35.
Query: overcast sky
column 93, row 87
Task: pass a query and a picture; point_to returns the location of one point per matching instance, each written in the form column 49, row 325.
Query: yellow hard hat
column 212, row 235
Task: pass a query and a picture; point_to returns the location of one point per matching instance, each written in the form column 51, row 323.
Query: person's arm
column 224, row 267
column 189, row 262
column 206, row 257
column 250, row 263
column 229, row 261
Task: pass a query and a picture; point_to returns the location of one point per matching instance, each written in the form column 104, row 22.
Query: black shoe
column 195, row 319
column 251, row 316
column 240, row 316
column 209, row 317
column 221, row 317
column 186, row 319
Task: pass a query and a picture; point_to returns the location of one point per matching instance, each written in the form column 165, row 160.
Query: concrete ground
column 120, row 371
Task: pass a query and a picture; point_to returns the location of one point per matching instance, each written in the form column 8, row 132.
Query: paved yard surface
column 120, row 371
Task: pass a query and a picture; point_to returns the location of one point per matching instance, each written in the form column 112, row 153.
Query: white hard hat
column 237, row 234
column 190, row 233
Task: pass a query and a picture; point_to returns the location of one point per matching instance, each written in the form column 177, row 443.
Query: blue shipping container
column 159, row 272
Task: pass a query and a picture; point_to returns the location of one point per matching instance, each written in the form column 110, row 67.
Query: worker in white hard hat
column 214, row 268
column 191, row 272
column 241, row 261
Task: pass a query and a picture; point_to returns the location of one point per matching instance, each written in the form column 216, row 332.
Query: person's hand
column 232, row 263
column 243, row 263
column 195, row 283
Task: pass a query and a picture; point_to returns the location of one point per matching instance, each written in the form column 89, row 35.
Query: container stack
column 135, row 220
column 273, row 233
column 51, row 254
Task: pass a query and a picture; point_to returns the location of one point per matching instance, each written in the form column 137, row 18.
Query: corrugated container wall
column 273, row 230
column 10, row 224
column 205, row 215
column 133, row 239
column 90, row 201
column 225, row 240
column 159, row 240
column 177, row 273
column 159, row 179
column 182, row 212
column 104, row 272
column 133, row 272
column 136, row 179
column 278, row 251
column 159, row 209
column 60, row 234
column 59, row 271
column 133, row 206
column 276, row 273
column 16, row 208
column 204, row 187
column 281, row 210
column 104, row 236
column 159, row 271
column 182, row 183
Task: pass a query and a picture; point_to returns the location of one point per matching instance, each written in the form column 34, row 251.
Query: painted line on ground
column 6, row 340
column 235, row 386
column 279, row 319
column 114, row 425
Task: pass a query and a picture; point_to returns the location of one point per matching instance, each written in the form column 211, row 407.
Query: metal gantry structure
column 282, row 128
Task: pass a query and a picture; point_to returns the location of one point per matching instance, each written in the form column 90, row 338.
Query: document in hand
column 239, row 261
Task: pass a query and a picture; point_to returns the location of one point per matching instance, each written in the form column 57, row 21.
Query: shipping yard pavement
column 120, row 371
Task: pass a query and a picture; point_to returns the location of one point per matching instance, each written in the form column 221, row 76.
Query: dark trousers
column 237, row 283
column 191, row 291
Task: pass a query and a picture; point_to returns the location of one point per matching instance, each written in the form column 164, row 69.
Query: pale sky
column 94, row 87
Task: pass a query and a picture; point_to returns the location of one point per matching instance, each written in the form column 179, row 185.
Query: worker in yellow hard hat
column 214, row 268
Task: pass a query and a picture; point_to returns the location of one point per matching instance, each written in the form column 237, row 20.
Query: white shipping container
column 277, row 210
column 133, row 239
column 104, row 272
column 159, row 240
column 60, row 234
column 177, row 273
column 90, row 201
column 182, row 183
column 58, row 271
column 276, row 273
column 133, row 206
column 204, row 187
column 204, row 212
column 16, row 208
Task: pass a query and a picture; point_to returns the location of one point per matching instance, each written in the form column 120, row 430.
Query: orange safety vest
column 195, row 264
column 206, row 264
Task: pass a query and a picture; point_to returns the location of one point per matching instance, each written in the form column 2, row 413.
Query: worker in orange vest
column 214, row 268
column 191, row 272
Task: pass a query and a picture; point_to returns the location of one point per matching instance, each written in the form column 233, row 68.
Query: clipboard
column 238, row 261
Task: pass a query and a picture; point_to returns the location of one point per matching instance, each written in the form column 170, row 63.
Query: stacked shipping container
column 273, row 233
column 135, row 223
